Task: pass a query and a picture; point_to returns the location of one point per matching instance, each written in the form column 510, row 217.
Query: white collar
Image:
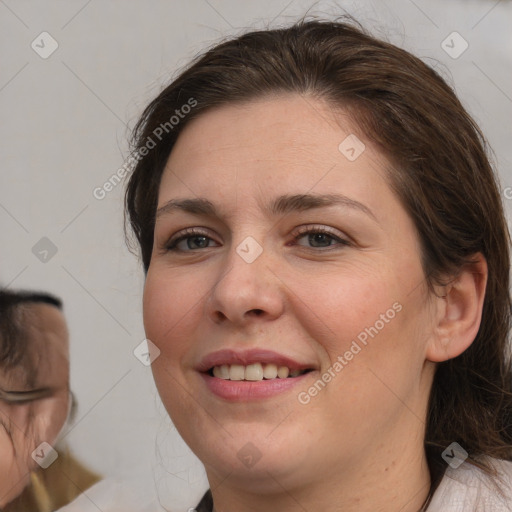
column 468, row 489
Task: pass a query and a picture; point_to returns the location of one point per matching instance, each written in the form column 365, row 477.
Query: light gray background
column 65, row 121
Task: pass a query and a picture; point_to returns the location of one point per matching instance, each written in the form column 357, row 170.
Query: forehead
column 47, row 344
column 288, row 144
column 304, row 126
column 47, row 317
column 46, row 330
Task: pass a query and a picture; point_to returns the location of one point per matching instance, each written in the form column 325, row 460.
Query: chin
column 253, row 460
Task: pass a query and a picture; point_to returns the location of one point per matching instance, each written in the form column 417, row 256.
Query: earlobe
column 459, row 312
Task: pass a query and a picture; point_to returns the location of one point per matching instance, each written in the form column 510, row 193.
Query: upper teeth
column 256, row 371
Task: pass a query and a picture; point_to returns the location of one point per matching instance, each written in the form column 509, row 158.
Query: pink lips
column 246, row 357
column 242, row 391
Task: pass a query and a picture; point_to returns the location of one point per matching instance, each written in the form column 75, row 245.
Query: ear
column 459, row 312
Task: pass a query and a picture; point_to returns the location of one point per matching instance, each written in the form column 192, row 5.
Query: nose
column 246, row 291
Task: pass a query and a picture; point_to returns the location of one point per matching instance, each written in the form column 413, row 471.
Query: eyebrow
column 279, row 206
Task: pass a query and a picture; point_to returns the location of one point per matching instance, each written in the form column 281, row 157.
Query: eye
column 193, row 239
column 319, row 237
column 189, row 240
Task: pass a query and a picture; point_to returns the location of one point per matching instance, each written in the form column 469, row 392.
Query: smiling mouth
column 255, row 372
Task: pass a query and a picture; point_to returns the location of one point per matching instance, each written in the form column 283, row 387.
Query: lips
column 254, row 372
column 245, row 358
column 247, row 387
column 251, row 374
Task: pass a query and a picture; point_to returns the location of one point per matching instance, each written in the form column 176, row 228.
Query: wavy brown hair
column 440, row 171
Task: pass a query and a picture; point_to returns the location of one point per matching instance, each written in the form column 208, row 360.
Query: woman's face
column 238, row 281
column 25, row 425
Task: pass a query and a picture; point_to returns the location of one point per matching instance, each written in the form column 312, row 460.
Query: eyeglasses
column 25, row 396
column 22, row 397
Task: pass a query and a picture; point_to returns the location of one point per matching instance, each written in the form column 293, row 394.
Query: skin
column 358, row 444
column 24, row 426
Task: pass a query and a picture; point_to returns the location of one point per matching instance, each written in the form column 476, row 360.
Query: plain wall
column 65, row 122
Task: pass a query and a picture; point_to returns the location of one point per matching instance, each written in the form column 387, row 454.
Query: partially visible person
column 35, row 405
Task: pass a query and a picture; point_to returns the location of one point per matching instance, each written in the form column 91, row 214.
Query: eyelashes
column 186, row 240
column 317, row 230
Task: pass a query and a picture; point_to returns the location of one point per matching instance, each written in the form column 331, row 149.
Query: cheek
column 17, row 419
column 15, row 451
column 163, row 304
column 13, row 473
column 374, row 348
column 6, row 453
column 366, row 324
column 344, row 307
column 50, row 417
column 172, row 308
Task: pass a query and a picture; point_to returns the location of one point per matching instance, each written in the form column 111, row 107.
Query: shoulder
column 469, row 488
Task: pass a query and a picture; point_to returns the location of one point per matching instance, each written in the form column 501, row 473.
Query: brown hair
column 441, row 174
column 13, row 325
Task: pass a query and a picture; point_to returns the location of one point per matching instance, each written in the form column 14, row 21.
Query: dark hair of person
column 13, row 339
column 439, row 170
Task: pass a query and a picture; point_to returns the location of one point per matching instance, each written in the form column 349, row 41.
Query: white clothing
column 468, row 489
